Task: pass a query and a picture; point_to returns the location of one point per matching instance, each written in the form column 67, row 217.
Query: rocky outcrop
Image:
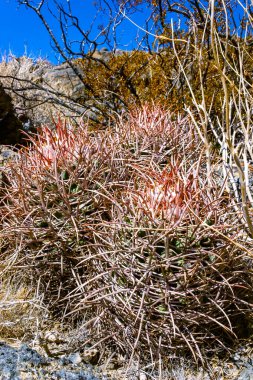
column 44, row 91
column 61, row 78
column 10, row 124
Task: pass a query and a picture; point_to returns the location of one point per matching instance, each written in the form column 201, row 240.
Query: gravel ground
column 25, row 363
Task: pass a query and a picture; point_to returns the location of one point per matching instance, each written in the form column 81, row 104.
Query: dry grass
column 121, row 229
column 21, row 312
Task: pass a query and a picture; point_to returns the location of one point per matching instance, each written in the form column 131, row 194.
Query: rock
column 236, row 357
column 10, row 125
column 246, row 374
column 51, row 336
column 91, row 356
column 61, row 78
column 142, row 376
column 75, row 358
column 26, row 354
column 67, row 375
column 6, row 153
column 44, row 91
column 27, row 363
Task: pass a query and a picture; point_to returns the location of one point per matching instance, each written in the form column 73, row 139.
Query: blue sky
column 21, row 32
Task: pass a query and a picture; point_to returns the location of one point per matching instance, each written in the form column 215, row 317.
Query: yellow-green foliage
column 132, row 77
column 168, row 78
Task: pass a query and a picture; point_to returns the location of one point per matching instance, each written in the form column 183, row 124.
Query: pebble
column 75, row 358
column 51, row 336
column 236, row 357
column 142, row 376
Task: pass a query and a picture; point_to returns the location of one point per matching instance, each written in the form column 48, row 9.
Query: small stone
column 91, row 356
column 75, row 358
column 142, row 376
column 51, row 336
column 236, row 357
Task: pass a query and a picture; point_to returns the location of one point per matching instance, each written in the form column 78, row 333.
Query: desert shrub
column 120, row 229
column 138, row 77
